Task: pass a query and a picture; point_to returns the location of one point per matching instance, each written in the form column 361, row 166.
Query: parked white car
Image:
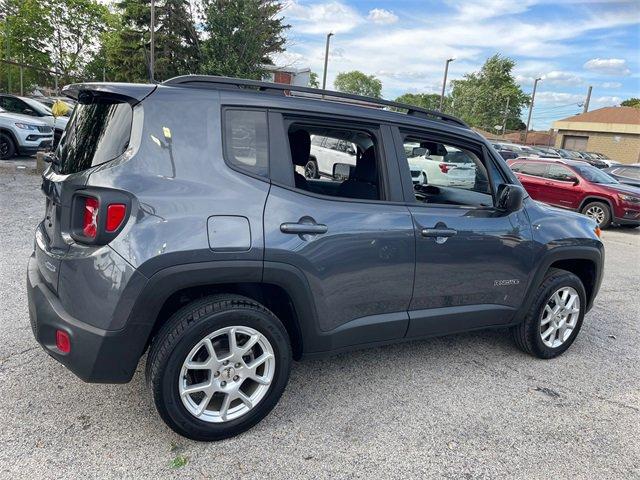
column 24, row 135
column 451, row 169
column 325, row 153
column 36, row 110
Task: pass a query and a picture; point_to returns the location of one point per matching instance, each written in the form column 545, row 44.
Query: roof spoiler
column 132, row 92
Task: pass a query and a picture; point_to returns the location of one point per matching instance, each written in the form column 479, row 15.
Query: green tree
column 24, row 35
column 241, row 36
column 631, row 102
column 358, row 83
column 77, row 25
column 430, row 101
column 480, row 98
column 313, row 80
column 175, row 40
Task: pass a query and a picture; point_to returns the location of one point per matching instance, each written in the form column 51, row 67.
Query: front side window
column 246, row 141
column 560, row 173
column 442, row 172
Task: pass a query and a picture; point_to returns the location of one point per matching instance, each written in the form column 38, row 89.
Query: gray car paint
column 352, row 285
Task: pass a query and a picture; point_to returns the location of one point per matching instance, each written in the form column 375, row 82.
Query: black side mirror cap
column 510, row 197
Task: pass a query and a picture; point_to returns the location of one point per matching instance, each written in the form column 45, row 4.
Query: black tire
column 311, row 169
column 527, row 334
column 7, row 147
column 606, row 221
column 182, row 332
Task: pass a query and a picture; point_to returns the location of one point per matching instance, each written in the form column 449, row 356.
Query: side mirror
column 342, row 171
column 28, row 111
column 351, row 150
column 510, row 197
column 575, row 181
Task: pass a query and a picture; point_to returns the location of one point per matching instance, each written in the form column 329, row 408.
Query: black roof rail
column 328, row 95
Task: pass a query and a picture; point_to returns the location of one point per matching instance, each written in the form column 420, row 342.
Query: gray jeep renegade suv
column 179, row 221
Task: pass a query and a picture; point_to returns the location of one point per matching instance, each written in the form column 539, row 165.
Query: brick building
column 613, row 131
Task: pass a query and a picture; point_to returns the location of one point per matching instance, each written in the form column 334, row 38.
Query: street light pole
column 444, row 81
column 326, row 61
column 152, row 49
column 533, row 97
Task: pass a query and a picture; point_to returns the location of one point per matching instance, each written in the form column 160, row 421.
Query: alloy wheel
column 226, row 374
column 596, row 213
column 311, row 169
column 560, row 317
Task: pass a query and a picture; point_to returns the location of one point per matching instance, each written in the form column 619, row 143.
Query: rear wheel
column 7, row 147
column 555, row 317
column 311, row 169
column 218, row 367
column 598, row 211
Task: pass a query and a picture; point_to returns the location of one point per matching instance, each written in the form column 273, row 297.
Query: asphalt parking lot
column 464, row 406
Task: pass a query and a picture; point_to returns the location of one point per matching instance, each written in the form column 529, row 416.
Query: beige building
column 613, row 131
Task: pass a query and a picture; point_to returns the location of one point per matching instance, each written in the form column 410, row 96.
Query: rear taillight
column 115, row 216
column 444, row 168
column 90, row 217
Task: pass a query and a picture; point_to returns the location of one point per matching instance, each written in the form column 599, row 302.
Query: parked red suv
column 579, row 186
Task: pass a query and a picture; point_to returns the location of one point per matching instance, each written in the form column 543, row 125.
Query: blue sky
column 570, row 44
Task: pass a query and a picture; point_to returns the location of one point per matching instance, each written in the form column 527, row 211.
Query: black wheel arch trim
column 556, row 254
column 592, row 198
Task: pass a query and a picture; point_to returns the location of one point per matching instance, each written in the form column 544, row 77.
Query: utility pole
column 22, row 75
column 444, row 81
column 506, row 116
column 8, row 56
column 586, row 103
column 326, row 61
column 152, row 49
column 533, row 97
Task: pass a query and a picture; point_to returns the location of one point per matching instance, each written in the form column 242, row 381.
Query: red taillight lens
column 115, row 215
column 90, row 217
column 63, row 342
column 444, row 168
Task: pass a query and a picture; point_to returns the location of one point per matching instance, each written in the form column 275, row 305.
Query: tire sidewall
column 168, row 401
column 565, row 280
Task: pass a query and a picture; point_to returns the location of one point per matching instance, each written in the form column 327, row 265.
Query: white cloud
column 611, row 85
column 322, row 18
column 382, row 16
column 483, row 9
column 608, row 66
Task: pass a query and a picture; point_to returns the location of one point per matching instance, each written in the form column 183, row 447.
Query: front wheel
column 598, row 211
column 311, row 169
column 7, row 147
column 218, row 367
column 555, row 317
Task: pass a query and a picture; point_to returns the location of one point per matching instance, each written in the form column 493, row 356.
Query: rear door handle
column 302, row 228
column 438, row 232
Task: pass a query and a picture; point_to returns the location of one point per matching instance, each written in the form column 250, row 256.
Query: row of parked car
column 27, row 124
column 509, row 151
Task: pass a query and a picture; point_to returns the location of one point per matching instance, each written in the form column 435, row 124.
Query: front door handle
column 438, row 232
column 303, row 228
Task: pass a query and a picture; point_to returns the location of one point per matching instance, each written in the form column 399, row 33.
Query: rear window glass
column 97, row 132
column 246, row 140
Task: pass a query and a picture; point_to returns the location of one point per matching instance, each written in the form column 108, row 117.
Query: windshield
column 592, row 174
column 37, row 106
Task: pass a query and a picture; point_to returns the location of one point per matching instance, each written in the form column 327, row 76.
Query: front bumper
column 101, row 356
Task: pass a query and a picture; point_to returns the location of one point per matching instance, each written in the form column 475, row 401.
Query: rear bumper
column 101, row 356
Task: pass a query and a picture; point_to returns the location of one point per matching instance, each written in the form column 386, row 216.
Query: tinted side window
column 560, row 173
column 629, row 173
column 535, row 169
column 246, row 140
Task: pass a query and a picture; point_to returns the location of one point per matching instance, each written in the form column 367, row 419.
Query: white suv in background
column 35, row 110
column 22, row 134
column 440, row 165
column 325, row 153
